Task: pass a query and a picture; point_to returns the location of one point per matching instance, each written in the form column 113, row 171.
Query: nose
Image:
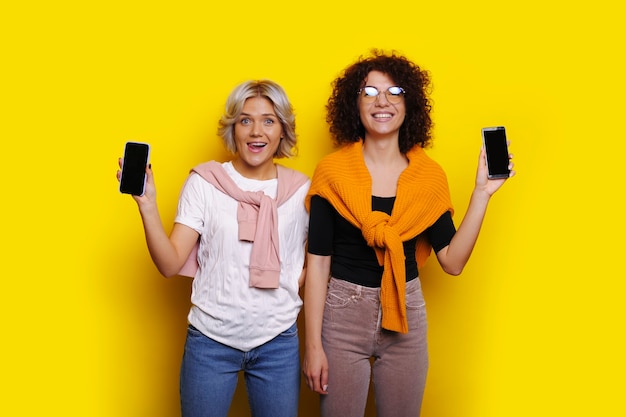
column 256, row 130
column 379, row 99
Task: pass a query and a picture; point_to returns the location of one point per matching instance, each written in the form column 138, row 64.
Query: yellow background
column 533, row 327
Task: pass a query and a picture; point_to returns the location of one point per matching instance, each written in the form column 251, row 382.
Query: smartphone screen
column 494, row 139
column 133, row 179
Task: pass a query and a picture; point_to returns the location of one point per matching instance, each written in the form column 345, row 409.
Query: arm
column 168, row 253
column 302, row 276
column 315, row 364
column 454, row 257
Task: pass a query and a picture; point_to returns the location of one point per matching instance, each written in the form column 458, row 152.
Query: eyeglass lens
column 393, row 94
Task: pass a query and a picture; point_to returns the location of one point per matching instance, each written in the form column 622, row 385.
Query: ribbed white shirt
column 223, row 305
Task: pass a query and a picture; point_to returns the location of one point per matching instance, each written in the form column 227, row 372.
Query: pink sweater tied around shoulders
column 257, row 216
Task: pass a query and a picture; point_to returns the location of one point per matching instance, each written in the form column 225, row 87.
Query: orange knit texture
column 342, row 178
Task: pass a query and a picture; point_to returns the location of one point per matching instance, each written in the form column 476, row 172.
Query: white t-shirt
column 224, row 306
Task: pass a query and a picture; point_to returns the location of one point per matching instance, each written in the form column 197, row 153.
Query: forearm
column 455, row 256
column 302, row 277
column 162, row 250
column 318, row 271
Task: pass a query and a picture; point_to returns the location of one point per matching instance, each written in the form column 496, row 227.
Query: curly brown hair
column 343, row 113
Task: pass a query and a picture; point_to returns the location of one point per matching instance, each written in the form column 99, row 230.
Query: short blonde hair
column 277, row 96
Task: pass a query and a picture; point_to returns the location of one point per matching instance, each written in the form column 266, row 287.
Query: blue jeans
column 209, row 373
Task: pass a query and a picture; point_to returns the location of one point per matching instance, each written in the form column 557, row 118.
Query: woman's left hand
column 485, row 184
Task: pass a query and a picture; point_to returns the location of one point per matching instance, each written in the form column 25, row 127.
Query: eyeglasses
column 394, row 94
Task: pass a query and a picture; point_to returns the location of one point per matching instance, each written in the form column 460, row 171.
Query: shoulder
column 201, row 176
column 421, row 161
column 336, row 156
column 344, row 163
column 195, row 187
column 291, row 174
column 210, row 167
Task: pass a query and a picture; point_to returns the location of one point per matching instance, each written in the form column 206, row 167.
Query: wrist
column 480, row 194
column 313, row 345
column 147, row 209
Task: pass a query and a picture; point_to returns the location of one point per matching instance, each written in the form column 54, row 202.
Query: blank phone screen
column 133, row 176
column 497, row 152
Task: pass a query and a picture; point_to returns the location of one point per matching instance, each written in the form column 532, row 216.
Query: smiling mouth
column 257, row 145
column 382, row 116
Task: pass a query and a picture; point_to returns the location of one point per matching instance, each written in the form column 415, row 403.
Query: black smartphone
column 497, row 151
column 133, row 178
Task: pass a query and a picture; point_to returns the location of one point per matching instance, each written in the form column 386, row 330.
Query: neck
column 382, row 151
column 266, row 171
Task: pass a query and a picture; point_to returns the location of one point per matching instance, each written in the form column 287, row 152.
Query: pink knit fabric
column 257, row 216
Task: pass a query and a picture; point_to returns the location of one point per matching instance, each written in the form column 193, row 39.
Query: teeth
column 258, row 145
column 382, row 116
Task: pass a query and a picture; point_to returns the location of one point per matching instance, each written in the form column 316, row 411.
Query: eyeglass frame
column 387, row 93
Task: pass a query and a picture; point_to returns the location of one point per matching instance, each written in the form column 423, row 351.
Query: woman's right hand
column 149, row 195
column 315, row 369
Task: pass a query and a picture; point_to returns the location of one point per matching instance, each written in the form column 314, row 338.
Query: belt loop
column 359, row 290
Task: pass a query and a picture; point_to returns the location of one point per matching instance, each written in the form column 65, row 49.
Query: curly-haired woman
column 378, row 206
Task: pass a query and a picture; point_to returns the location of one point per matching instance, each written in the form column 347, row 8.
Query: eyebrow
column 262, row 114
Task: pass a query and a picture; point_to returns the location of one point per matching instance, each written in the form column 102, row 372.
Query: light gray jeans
column 352, row 334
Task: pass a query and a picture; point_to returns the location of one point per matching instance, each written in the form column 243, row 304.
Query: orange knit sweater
column 342, row 178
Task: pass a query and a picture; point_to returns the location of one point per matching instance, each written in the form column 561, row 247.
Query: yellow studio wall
column 531, row 328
